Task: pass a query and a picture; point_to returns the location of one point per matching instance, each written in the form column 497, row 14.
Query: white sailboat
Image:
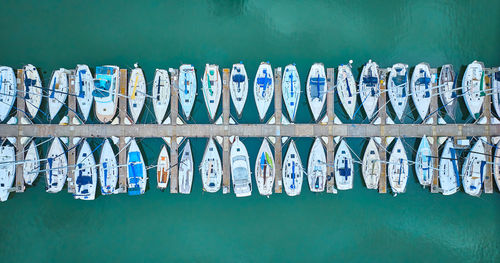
column 58, row 92
column 163, row 169
column 263, row 88
column 106, row 90
column 371, row 165
column 186, row 169
column 187, row 89
column 473, row 169
column 108, row 169
column 496, row 165
column 85, row 174
column 397, row 87
column 447, row 91
column 161, row 94
column 346, row 89
column 421, row 90
column 369, row 88
column 211, row 168
column 449, row 177
column 291, row 90
column 56, row 168
column 473, row 88
column 212, row 89
column 32, row 89
column 397, row 169
column 84, row 87
column 136, row 170
column 316, row 89
column 240, row 169
column 495, row 93
column 8, row 91
column 344, row 168
column 292, row 171
column 7, row 171
column 31, row 165
column 136, row 93
column 316, row 167
column 238, row 86
column 264, row 169
column 423, row 162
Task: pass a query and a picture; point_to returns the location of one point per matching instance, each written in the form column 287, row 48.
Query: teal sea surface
column 356, row 225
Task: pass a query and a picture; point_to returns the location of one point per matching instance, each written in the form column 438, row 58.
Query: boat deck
column 225, row 130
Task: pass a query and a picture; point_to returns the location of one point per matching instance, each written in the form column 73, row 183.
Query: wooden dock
column 488, row 178
column 330, row 145
column 71, row 147
column 382, row 114
column 174, row 111
column 21, row 109
column 122, row 115
column 278, row 184
column 435, row 145
column 226, row 146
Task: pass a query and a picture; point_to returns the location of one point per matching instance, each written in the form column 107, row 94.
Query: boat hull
column 84, row 87
column 32, row 89
column 187, row 89
column 264, row 169
column 371, row 165
column 212, row 89
column 316, row 167
column 421, row 89
column 346, row 89
column 106, row 90
column 397, row 168
column 316, row 89
column 211, row 168
column 397, row 87
column 186, row 170
column 473, row 88
column 56, row 168
column 136, row 170
column 447, row 91
column 263, row 89
column 238, row 85
column 136, row 93
column 7, row 171
column 292, row 171
column 108, row 169
column 161, row 94
column 291, row 90
column 369, row 88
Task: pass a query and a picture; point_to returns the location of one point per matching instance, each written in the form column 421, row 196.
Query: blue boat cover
column 346, row 170
column 264, row 82
column 317, row 85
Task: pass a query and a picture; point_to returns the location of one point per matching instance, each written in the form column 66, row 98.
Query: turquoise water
column 355, row 225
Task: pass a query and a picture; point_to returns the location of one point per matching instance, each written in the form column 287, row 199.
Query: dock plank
column 488, row 180
column 21, row 109
column 122, row 101
column 382, row 114
column 122, row 169
column 174, row 111
column 226, row 146
column 435, row 172
column 278, row 186
column 330, row 146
